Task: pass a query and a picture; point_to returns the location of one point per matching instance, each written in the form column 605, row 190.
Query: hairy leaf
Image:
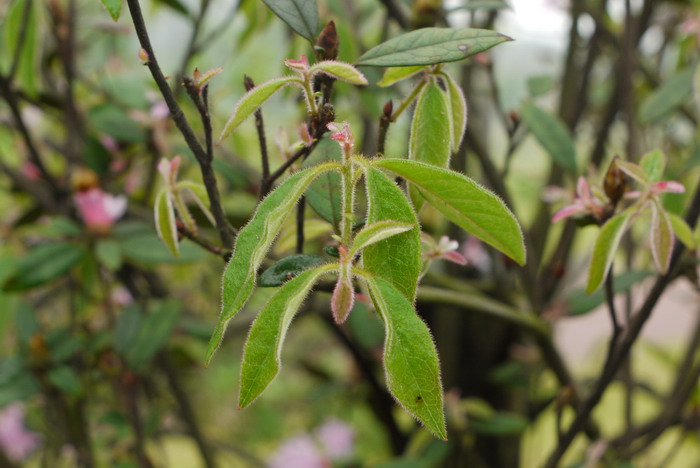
column 654, row 164
column 410, row 358
column 340, row 71
column 661, row 237
column 552, row 134
column 398, row 258
column 395, row 74
column 465, row 203
column 633, row 170
column 668, row 97
column 682, row 230
column 252, row 100
column 458, row 111
column 300, row 15
column 42, row 264
column 428, row 46
column 253, row 242
column 199, row 195
column 377, row 232
column 165, row 221
column 287, row 268
column 605, row 247
column 114, row 8
column 261, row 356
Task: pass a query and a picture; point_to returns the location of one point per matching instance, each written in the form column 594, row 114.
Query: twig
column 191, row 46
column 216, row 250
column 301, row 208
column 610, row 300
column 394, row 10
column 303, row 152
column 260, row 127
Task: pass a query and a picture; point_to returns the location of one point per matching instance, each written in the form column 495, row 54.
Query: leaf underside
column 300, row 15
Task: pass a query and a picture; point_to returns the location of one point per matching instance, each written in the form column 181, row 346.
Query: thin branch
column 394, row 10
column 260, row 128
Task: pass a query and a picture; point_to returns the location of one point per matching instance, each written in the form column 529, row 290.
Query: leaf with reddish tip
column 661, row 237
column 165, row 221
column 605, row 247
column 340, row 71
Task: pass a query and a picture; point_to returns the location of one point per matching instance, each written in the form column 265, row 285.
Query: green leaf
column 661, row 237
column 115, row 122
column 539, row 85
column 114, row 8
column 428, row 46
column 127, row 329
column 261, row 356
column 175, row 5
column 410, row 358
column 325, row 193
column 287, row 268
column 165, row 221
column 253, row 242
column 42, row 264
column 199, row 195
column 458, row 111
column 377, row 232
column 552, row 134
column 581, row 303
column 604, row 250
column 668, row 97
column 153, row 333
column 252, row 100
column 682, row 230
column 14, row 21
column 398, row 258
column 300, row 15
column 634, row 171
column 109, row 253
column 395, row 74
column 65, row 379
column 340, row 71
column 483, row 5
column 654, row 164
column 501, row 424
column 465, row 203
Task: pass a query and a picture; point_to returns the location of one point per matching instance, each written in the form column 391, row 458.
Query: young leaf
column 604, row 250
column 465, row 203
column 398, row 258
column 554, row 137
column 410, row 359
column 300, row 15
column 634, row 171
column 165, row 221
column 682, row 230
column 114, row 8
column 253, row 242
column 252, row 100
column 261, row 356
column 428, row 46
column 661, row 237
column 287, row 268
column 654, row 164
column 199, row 195
column 340, row 71
column 395, row 74
column 42, row 264
column 458, row 111
column 671, row 95
column 377, row 232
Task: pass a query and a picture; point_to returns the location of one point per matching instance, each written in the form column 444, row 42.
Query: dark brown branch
column 394, row 10
column 260, row 128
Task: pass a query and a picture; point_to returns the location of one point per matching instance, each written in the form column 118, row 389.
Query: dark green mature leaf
column 398, row 258
column 283, row 270
column 428, row 46
column 672, row 94
column 261, row 356
column 325, row 193
column 300, row 15
column 153, row 333
column 43, row 264
column 127, row 329
column 500, row 424
column 465, row 203
column 114, row 8
column 65, row 379
column 115, row 122
column 410, row 358
column 605, row 248
column 253, row 242
column 552, row 134
column 395, row 74
column 109, row 253
column 140, row 243
column 581, row 303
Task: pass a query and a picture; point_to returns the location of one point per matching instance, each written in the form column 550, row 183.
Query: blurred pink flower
column 584, row 203
column 298, row 452
column 15, row 440
column 476, row 255
column 98, row 209
column 337, row 439
column 30, row 171
column 169, row 169
column 120, row 295
column 159, row 110
column 445, row 248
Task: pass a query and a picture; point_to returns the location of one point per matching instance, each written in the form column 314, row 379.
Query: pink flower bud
column 343, row 299
column 337, row 439
column 169, row 169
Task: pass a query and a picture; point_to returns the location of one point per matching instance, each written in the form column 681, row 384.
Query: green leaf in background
column 682, row 230
column 398, row 258
column 300, row 15
column 127, row 329
column 485, row 5
column 605, row 247
column 501, row 424
column 669, row 96
column 465, row 203
column 539, row 85
column 153, row 333
column 65, row 379
column 252, row 100
column 340, row 71
column 325, row 193
column 165, row 221
column 428, row 46
column 654, row 164
column 139, row 243
column 458, row 111
column 115, row 122
column 633, row 170
column 661, row 237
column 109, row 253
column 410, row 358
column 27, row 67
column 114, row 8
column 175, row 5
column 552, row 134
column 395, row 74
column 283, row 270
column 377, row 232
column 253, row 242
column 581, row 303
column 261, row 356
column 42, row 264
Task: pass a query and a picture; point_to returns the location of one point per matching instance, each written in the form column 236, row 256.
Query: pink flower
column 337, row 439
column 298, row 452
column 583, row 204
column 445, row 248
column 159, row 110
column 169, row 169
column 15, row 440
column 476, row 255
column 98, row 209
column 341, row 134
column 30, row 171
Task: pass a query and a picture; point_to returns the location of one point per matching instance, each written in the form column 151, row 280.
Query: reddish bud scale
column 615, row 183
column 343, row 299
column 388, row 108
